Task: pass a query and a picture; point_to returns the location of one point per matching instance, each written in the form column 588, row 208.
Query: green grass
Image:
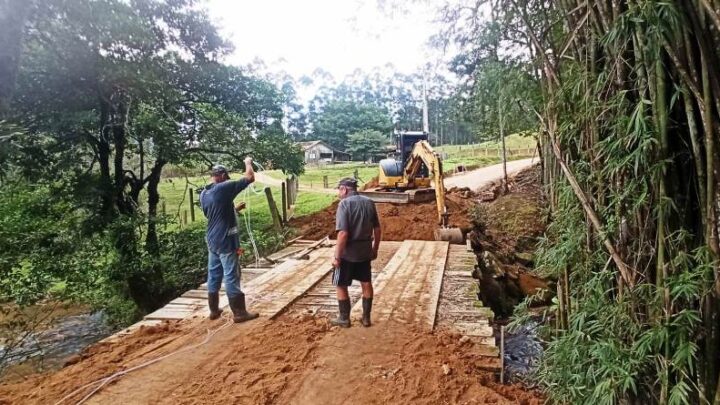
column 175, row 197
column 313, row 176
column 513, row 141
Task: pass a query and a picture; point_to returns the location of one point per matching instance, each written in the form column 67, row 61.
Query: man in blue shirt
column 222, row 239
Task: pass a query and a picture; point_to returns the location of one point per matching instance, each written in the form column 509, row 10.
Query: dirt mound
column 399, row 221
column 410, row 366
column 289, row 360
column 371, row 184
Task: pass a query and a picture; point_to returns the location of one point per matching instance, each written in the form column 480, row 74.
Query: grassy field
column 513, row 141
column 174, row 195
column 313, row 176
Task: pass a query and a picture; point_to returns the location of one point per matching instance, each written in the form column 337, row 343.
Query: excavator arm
column 421, row 153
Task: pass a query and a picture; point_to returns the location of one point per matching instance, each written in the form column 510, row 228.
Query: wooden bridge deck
column 421, row 282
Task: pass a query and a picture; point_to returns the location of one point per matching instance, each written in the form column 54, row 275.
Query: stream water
column 50, row 348
column 522, row 351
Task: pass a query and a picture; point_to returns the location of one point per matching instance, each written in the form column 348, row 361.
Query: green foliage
column 110, row 92
column 338, row 119
column 367, row 143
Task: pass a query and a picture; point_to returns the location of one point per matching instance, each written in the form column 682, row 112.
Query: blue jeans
column 223, row 265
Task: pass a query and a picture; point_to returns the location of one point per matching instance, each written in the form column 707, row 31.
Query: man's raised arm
column 249, row 172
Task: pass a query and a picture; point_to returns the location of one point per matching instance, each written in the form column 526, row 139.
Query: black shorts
column 350, row 271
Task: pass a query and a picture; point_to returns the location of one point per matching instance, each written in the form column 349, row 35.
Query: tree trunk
column 152, row 245
column 103, row 150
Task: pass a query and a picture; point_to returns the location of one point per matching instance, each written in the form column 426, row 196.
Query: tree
column 339, row 118
column 366, row 143
column 628, row 118
column 112, row 91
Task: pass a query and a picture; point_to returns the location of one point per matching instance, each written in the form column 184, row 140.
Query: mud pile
column 399, row 221
column 289, row 360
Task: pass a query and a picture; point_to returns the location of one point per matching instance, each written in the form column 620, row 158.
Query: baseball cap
column 218, row 170
column 348, row 182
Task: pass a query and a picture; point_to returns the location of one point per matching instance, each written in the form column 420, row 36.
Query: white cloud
column 338, row 36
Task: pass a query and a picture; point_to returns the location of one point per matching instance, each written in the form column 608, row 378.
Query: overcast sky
column 338, row 36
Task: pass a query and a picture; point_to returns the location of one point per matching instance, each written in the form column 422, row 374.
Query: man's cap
column 348, row 182
column 218, row 170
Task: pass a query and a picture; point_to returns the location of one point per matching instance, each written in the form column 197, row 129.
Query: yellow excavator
column 410, row 178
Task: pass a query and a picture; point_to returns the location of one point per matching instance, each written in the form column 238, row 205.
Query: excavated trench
column 506, row 230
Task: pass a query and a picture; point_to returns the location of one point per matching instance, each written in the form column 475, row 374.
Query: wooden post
column 325, row 181
column 192, row 205
column 273, row 209
column 287, row 191
column 502, row 354
column 283, row 195
column 295, row 189
column 184, row 218
column 164, row 211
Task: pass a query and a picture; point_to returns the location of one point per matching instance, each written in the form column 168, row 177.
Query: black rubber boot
column 214, row 306
column 240, row 313
column 343, row 319
column 367, row 306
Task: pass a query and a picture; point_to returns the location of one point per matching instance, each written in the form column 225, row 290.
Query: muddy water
column 50, row 348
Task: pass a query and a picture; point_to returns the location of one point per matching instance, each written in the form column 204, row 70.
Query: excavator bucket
column 452, row 235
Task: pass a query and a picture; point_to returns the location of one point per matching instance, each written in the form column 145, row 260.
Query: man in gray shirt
column 358, row 241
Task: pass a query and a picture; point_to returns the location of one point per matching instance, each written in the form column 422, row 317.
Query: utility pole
column 425, row 117
column 502, row 139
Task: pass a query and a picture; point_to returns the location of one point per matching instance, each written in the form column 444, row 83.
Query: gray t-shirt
column 357, row 215
column 216, row 201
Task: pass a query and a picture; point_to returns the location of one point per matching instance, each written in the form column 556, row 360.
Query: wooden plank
column 301, row 254
column 189, row 301
column 271, row 296
column 464, row 273
column 408, row 289
column 474, row 329
column 195, row 294
column 170, row 313
column 288, row 251
column 436, row 278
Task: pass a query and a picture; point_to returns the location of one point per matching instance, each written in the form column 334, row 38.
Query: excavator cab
column 409, row 177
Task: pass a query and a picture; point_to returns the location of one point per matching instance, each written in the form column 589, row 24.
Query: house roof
column 310, row 144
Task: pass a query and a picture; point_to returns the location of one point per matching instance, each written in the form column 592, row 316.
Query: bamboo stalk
column 626, row 273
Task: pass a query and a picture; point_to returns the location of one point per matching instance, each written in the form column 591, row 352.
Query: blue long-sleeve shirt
column 216, row 201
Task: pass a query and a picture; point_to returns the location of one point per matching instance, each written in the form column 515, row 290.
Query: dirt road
column 476, row 179
column 293, row 360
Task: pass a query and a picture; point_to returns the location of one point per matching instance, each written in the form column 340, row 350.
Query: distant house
column 319, row 152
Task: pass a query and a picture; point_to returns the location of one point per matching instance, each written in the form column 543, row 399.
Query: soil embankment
column 399, row 222
column 507, row 228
